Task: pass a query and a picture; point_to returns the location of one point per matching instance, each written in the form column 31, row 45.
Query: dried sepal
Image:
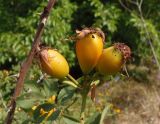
column 125, row 50
column 43, row 56
column 81, row 34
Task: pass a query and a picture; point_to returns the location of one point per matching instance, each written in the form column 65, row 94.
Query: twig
column 133, row 2
column 139, row 5
column 148, row 37
column 25, row 66
column 124, row 6
column 125, row 69
column 84, row 93
column 82, row 116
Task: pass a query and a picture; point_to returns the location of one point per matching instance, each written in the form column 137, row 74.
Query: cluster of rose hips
column 90, row 54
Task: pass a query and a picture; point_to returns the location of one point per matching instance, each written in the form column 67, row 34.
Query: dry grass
column 139, row 102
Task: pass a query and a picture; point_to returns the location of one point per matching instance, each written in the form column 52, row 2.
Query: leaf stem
column 70, row 83
column 72, row 79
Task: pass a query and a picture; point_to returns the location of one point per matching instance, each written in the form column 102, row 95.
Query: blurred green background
column 134, row 22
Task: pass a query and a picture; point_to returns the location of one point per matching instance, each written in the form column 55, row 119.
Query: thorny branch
column 25, row 66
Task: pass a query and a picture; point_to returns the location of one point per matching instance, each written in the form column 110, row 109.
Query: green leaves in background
column 18, row 27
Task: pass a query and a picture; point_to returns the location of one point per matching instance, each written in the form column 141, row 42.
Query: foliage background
column 137, row 27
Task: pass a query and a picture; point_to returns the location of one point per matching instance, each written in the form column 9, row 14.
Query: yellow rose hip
column 89, row 46
column 53, row 63
column 113, row 58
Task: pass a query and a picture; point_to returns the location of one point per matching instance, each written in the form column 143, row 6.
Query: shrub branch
column 26, row 65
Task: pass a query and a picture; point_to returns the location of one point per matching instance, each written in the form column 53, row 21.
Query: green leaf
column 25, row 103
column 70, row 120
column 50, row 87
column 38, row 117
column 32, row 86
column 27, row 100
column 65, row 95
column 94, row 119
column 104, row 113
column 54, row 116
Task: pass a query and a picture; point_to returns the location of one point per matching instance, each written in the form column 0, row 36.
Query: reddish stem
column 26, row 65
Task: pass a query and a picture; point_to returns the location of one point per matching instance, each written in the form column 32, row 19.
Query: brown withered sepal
column 81, row 34
column 126, row 51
